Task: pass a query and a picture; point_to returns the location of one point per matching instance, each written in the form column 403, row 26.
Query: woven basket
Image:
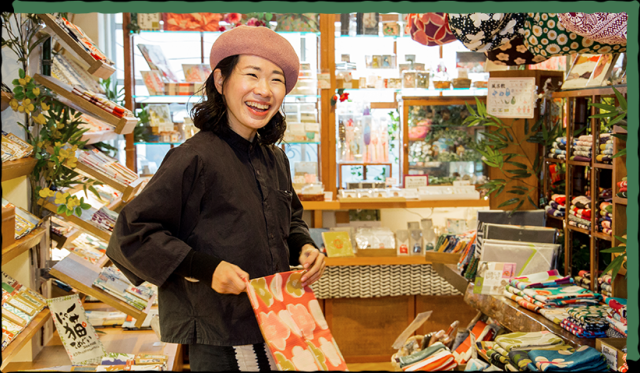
column 461, row 83
column 441, row 84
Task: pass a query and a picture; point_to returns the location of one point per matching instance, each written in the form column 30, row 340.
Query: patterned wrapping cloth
column 556, row 205
column 582, row 202
column 546, row 36
column 561, row 199
column 513, row 53
column 102, row 103
column 565, row 293
column 483, row 32
column 585, row 358
column 550, row 278
column 430, row 29
column 555, row 315
column 571, row 326
column 610, row 28
column 527, row 341
column 582, row 223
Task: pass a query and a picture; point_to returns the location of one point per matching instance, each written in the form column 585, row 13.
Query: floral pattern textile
column 602, row 27
column 527, row 341
column 541, row 280
column 430, row 29
column 546, row 36
column 513, row 53
column 585, row 358
column 561, row 293
column 483, row 32
column 191, row 21
column 292, row 323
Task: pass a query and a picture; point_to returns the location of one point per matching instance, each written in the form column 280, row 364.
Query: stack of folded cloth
column 622, row 188
column 582, row 359
column 587, row 322
column 581, row 148
column 436, row 357
column 556, row 206
column 617, row 317
column 604, row 282
column 104, row 219
column 580, row 212
column 604, row 220
column 605, row 148
column 502, row 352
column 558, row 149
column 584, row 279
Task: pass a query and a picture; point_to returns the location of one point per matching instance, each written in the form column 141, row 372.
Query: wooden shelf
column 587, row 92
column 375, row 261
column 25, row 336
column 82, row 224
column 96, row 68
column 619, row 200
column 553, row 160
column 20, row 167
column 80, row 274
column 602, row 236
column 603, row 166
column 25, row 243
column 617, row 129
column 579, row 230
column 98, row 136
column 450, row 273
column 579, row 163
column 128, row 191
column 379, row 203
column 6, row 98
column 555, row 217
column 123, row 125
column 518, row 319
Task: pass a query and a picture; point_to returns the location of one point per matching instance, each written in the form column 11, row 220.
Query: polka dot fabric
column 483, row 32
column 431, row 29
column 610, row 28
column 513, row 53
column 545, row 36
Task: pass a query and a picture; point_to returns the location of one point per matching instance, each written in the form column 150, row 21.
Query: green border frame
column 631, row 7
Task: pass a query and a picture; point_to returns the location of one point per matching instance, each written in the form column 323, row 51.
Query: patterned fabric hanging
column 483, row 32
column 513, row 53
column 430, row 29
column 544, row 35
column 610, row 28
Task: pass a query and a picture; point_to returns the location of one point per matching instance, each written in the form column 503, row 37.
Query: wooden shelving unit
column 82, row 224
column 128, row 191
column 23, row 338
column 6, row 98
column 373, row 203
column 80, row 274
column 25, row 243
column 123, row 125
column 94, row 137
column 96, row 68
column 17, row 168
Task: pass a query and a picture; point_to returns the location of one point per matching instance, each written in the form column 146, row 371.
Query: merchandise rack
column 23, row 244
column 25, row 336
column 80, row 274
column 17, row 168
column 128, row 191
column 96, row 68
column 82, row 224
column 98, row 136
column 122, row 125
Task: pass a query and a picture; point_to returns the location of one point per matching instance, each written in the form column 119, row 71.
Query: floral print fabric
column 483, row 32
column 550, row 278
column 430, row 29
column 292, row 323
column 602, row 27
column 585, row 358
column 527, row 341
column 513, row 53
column 545, row 36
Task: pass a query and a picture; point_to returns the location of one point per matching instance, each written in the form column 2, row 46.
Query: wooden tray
column 444, row 258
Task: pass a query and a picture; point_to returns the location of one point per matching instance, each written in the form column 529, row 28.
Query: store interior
column 465, row 175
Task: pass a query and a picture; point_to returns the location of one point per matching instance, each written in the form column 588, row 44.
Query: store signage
column 416, row 181
column 511, row 97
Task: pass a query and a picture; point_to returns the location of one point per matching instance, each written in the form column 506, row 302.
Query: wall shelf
column 19, row 167
column 579, row 163
column 96, row 68
column 124, row 125
column 602, row 236
column 603, row 166
column 82, row 224
column 619, row 200
column 553, row 160
column 25, row 336
column 80, row 274
column 25, row 243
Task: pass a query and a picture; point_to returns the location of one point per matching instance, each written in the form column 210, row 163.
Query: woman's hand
column 229, row 279
column 313, row 262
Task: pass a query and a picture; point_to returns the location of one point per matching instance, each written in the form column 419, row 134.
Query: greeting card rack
column 598, row 174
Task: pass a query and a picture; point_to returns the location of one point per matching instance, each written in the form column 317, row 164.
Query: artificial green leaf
column 518, row 164
column 510, row 137
column 518, row 192
column 526, row 127
column 621, row 239
column 517, row 172
column 521, row 187
column 78, row 211
column 61, row 209
column 15, row 82
column 602, row 106
column 603, row 115
column 531, row 201
column 516, row 208
column 500, row 190
column 620, row 153
column 21, row 73
column 622, row 102
column 522, row 176
column 621, row 136
column 619, row 249
column 85, row 206
column 508, row 202
column 537, row 165
column 618, row 264
column 617, row 119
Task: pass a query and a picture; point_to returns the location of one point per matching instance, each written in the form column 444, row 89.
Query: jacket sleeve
column 298, row 231
column 144, row 244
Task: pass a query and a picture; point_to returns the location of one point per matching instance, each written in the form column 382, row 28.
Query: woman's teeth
column 258, row 106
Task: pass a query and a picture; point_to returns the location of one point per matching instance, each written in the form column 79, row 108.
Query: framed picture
column 197, row 73
column 603, row 70
column 157, row 61
column 580, row 71
column 415, row 181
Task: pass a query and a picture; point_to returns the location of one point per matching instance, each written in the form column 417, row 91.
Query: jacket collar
column 237, row 141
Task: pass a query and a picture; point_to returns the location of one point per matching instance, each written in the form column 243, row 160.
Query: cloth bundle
column 604, row 282
column 605, row 148
column 617, row 315
column 583, row 359
column 587, row 322
column 583, row 279
column 604, row 218
column 622, row 188
column 556, row 206
column 581, row 148
column 558, row 149
column 433, row 358
column 102, row 103
column 580, row 212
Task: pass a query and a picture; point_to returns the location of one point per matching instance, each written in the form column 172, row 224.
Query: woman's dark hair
column 211, row 113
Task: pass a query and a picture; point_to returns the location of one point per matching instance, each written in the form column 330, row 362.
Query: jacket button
column 271, row 235
column 258, row 172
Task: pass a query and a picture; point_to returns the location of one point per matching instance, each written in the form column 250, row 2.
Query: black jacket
column 220, row 196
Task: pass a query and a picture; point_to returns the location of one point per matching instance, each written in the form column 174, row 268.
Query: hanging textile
column 430, row 29
column 610, row 28
column 483, row 32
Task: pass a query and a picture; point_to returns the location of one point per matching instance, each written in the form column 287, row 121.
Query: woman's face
column 253, row 92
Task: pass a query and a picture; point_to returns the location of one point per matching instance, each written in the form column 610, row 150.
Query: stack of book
column 88, row 248
column 112, row 281
column 108, row 166
column 14, row 148
column 70, row 72
column 105, row 219
column 25, row 221
column 19, row 306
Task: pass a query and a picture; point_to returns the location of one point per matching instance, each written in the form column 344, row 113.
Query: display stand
column 80, row 274
column 17, row 168
column 25, row 336
column 25, row 243
column 83, row 224
column 128, row 190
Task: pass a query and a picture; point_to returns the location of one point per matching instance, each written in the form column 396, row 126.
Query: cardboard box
column 8, row 226
column 611, row 348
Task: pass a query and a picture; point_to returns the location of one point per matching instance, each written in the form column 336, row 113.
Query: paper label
column 511, row 97
column 611, row 354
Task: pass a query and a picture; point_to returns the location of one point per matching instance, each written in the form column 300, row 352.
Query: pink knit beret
column 258, row 41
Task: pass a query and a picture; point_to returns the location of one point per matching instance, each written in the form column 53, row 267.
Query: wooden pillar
column 327, row 112
column 129, row 83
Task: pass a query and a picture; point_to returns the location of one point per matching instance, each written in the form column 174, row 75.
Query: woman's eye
column 253, row 75
column 278, row 80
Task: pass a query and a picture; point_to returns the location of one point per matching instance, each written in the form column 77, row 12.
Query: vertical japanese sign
column 78, row 336
column 511, row 97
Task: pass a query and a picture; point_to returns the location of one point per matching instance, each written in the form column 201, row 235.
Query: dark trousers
column 207, row 358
